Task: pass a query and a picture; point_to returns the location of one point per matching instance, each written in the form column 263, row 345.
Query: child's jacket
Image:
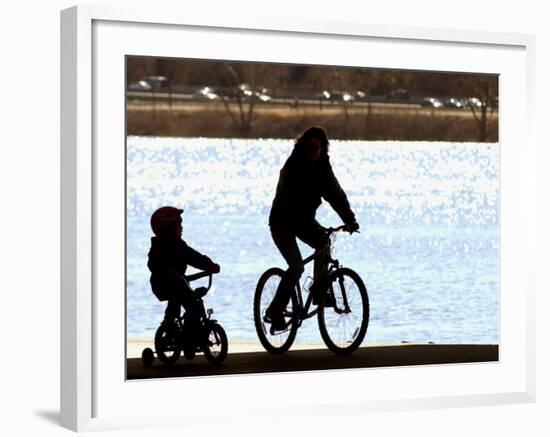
column 167, row 261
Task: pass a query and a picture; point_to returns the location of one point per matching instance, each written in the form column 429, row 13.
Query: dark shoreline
column 381, row 124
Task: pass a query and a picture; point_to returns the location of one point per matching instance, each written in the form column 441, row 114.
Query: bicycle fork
column 346, row 308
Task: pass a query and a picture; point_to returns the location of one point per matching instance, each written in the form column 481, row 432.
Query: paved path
column 318, row 359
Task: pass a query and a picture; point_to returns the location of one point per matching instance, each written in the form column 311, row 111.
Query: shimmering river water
column 428, row 250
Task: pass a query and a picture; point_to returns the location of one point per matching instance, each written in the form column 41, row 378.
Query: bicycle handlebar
column 330, row 231
column 337, row 229
column 200, row 275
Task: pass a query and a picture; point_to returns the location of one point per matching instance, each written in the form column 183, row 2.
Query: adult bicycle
column 342, row 312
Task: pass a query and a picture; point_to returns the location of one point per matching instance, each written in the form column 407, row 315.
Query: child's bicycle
column 173, row 337
column 343, row 323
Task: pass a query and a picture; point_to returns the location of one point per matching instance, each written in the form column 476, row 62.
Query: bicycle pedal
column 273, row 331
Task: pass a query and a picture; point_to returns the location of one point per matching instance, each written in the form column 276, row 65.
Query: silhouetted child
column 168, row 259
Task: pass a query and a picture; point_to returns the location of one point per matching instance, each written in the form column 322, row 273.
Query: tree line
column 285, row 79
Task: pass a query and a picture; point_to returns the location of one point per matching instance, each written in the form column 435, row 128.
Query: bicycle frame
column 333, row 264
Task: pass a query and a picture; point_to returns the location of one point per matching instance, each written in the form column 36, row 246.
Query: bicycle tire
column 275, row 344
column 358, row 333
column 167, row 340
column 221, row 340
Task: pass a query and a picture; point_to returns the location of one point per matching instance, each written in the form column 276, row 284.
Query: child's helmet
column 163, row 217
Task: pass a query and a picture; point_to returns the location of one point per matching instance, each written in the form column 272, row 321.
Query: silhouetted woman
column 304, row 180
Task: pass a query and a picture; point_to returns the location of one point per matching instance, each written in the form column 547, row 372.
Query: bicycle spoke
column 215, row 347
column 214, row 343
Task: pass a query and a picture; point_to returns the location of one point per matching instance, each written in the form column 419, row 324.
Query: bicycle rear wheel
column 344, row 326
column 167, row 343
column 279, row 342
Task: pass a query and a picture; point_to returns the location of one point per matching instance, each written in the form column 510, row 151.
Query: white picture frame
column 92, row 393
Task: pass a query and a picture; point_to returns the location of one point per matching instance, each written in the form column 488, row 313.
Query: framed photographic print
column 256, row 205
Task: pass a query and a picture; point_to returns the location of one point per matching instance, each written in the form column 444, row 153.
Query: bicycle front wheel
column 278, row 342
column 343, row 326
column 215, row 348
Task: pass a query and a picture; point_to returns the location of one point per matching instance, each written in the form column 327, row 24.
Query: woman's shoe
column 276, row 319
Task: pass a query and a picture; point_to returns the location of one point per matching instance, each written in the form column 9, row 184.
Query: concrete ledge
column 317, row 359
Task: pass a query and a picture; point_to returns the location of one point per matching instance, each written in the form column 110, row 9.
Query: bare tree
column 367, row 80
column 341, row 78
column 480, row 92
column 240, row 104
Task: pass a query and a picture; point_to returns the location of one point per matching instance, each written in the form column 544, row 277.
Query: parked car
column 262, row 94
column 474, row 101
column 336, row 96
column 245, row 90
column 150, row 83
column 431, row 102
column 324, row 95
column 206, row 93
column 399, row 94
column 158, row 82
column 140, row 85
column 347, row 97
column 454, row 103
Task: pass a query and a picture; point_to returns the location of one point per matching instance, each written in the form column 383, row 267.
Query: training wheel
column 147, row 356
